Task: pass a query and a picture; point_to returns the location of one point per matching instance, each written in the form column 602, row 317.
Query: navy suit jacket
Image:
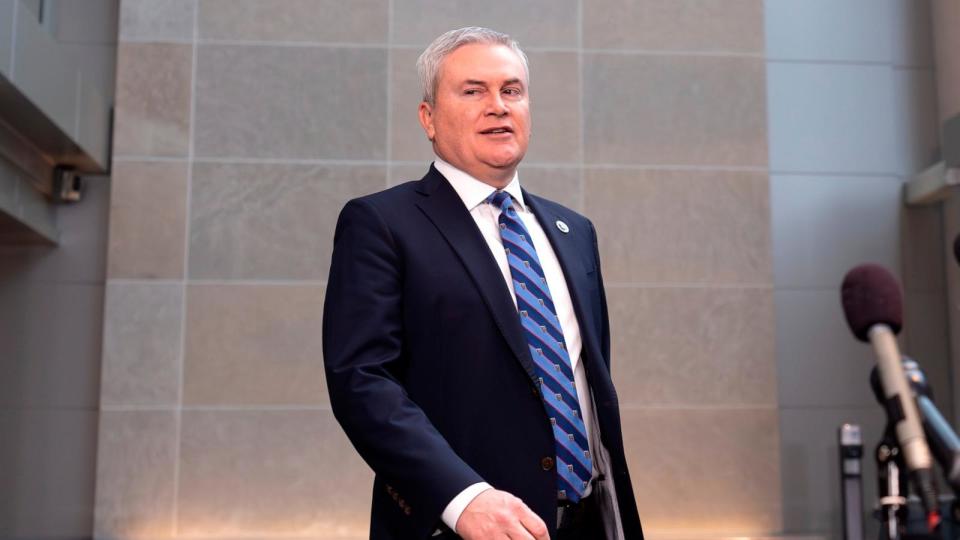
column 427, row 366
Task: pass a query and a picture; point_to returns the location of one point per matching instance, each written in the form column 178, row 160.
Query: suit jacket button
column 546, row 463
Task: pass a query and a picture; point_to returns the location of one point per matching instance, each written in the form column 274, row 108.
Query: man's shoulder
column 394, row 199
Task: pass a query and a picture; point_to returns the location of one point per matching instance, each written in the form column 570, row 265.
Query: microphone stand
column 892, row 477
column 943, row 440
column 892, row 486
column 945, row 446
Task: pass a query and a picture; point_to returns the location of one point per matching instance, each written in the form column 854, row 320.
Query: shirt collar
column 472, row 191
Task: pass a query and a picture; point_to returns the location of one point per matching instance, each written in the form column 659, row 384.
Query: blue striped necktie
column 545, row 339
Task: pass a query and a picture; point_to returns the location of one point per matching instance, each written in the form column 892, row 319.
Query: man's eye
column 471, row 91
column 512, row 91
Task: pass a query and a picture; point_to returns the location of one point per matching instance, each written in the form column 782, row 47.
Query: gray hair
column 428, row 65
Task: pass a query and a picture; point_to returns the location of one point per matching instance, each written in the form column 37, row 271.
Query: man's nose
column 496, row 106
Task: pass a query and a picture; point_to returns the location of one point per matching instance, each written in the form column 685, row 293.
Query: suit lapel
column 445, row 209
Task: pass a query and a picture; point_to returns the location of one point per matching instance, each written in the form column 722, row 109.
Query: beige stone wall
column 242, row 126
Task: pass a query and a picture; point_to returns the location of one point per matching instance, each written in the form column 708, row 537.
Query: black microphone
column 943, row 440
column 873, row 307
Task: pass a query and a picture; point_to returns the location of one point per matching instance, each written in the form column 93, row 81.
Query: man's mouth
column 496, row 130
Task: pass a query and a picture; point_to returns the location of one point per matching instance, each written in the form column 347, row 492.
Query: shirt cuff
column 451, row 514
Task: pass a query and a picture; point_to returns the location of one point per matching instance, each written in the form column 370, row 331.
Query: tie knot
column 500, row 199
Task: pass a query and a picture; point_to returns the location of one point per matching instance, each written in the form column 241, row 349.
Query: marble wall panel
column 254, row 345
column 702, row 347
column 148, row 208
column 534, row 23
column 305, row 103
column 141, row 345
column 670, row 25
column 357, row 21
column 157, row 20
column 554, row 108
column 558, row 184
column 408, row 142
column 706, row 471
column 663, row 226
column 152, row 108
column 136, row 474
column 398, row 174
column 270, row 473
column 270, row 221
column 674, row 110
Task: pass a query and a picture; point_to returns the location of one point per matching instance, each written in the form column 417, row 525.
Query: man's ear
column 426, row 119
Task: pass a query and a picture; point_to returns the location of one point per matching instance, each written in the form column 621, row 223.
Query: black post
column 851, row 481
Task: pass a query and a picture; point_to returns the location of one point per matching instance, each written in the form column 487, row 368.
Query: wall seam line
column 581, row 154
column 388, row 149
column 13, row 41
column 175, row 518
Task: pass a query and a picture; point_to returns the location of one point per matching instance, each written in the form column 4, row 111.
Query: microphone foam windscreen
column 871, row 295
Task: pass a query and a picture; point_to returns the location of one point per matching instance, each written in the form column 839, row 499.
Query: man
column 465, row 331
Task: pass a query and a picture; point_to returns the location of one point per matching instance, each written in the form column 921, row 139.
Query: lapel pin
column 563, row 227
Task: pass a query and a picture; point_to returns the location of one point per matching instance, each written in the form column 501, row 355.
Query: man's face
column 480, row 121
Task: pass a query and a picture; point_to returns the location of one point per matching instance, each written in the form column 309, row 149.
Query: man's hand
column 498, row 514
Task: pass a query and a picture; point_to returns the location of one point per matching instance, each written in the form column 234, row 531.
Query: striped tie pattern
column 545, row 339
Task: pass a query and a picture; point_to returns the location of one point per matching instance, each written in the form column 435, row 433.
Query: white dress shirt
column 473, row 193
